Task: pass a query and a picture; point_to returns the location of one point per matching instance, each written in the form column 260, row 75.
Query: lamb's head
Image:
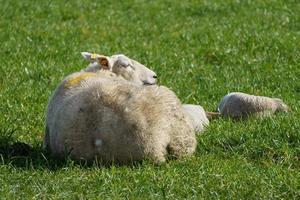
column 121, row 65
column 280, row 105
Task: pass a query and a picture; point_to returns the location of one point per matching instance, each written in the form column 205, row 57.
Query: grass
column 202, row 49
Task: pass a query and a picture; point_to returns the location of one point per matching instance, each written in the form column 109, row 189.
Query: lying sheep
column 148, row 77
column 121, row 65
column 239, row 105
column 103, row 116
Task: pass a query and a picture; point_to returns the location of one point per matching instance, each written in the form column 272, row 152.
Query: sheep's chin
column 147, row 84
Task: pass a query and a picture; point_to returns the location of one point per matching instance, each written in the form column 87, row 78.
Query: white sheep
column 139, row 74
column 239, row 105
column 121, row 65
column 103, row 116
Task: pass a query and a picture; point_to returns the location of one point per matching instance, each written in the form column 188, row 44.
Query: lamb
column 239, row 105
column 99, row 115
column 198, row 116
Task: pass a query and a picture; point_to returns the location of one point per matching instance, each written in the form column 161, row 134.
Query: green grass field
column 201, row 49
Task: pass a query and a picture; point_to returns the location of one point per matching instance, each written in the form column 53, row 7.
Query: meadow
column 201, row 49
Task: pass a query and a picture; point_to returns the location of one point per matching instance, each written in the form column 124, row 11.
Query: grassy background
column 202, row 49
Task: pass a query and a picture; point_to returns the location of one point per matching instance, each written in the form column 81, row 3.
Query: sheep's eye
column 126, row 65
column 130, row 65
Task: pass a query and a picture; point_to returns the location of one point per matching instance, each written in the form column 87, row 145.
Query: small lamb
column 239, row 105
column 198, row 116
column 99, row 115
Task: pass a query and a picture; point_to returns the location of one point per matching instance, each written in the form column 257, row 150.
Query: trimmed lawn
column 201, row 49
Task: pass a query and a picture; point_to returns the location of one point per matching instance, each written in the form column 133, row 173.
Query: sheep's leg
column 182, row 145
column 157, row 158
column 157, row 153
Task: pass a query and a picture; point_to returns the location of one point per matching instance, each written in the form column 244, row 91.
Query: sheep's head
column 280, row 105
column 121, row 65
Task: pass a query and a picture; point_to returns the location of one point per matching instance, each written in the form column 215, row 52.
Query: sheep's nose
column 154, row 76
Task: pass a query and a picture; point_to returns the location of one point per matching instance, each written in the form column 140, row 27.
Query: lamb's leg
column 212, row 115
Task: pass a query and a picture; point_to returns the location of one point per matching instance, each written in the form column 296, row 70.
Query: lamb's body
column 92, row 115
column 240, row 105
column 198, row 117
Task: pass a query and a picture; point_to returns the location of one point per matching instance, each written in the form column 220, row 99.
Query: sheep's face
column 121, row 65
column 281, row 106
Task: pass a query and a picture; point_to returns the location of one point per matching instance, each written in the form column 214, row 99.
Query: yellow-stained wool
column 77, row 79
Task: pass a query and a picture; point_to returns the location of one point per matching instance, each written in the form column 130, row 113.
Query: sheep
column 120, row 65
column 98, row 62
column 239, row 105
column 99, row 115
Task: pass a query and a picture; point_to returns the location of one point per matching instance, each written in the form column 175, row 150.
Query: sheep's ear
column 88, row 56
column 91, row 57
column 104, row 62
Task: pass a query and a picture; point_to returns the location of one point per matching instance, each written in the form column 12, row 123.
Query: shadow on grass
column 24, row 156
column 21, row 155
